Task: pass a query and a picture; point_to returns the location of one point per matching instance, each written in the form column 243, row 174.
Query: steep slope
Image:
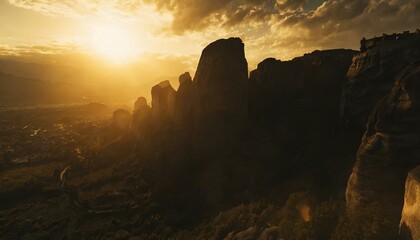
column 221, row 79
column 309, row 86
column 295, row 105
column 389, row 148
column 372, row 73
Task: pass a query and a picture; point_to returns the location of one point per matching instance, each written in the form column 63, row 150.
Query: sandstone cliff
column 289, row 125
column 163, row 101
column 141, row 114
column 310, row 83
column 121, row 119
column 221, row 80
column 297, row 104
column 372, row 73
column 410, row 217
column 185, row 100
column 389, row 148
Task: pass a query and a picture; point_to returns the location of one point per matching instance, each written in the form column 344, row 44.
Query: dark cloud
column 199, row 14
column 358, row 17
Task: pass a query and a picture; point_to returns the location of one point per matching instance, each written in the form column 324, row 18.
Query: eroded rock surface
column 389, row 148
column 298, row 101
column 410, row 217
column 372, row 73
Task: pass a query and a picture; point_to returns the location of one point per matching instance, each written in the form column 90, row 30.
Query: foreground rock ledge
column 410, row 217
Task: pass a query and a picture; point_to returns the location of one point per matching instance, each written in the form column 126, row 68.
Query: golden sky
column 170, row 34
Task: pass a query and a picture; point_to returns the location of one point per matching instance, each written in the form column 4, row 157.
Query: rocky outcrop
column 163, row 101
column 221, row 81
column 372, row 73
column 121, row 119
column 185, row 99
column 141, row 114
column 389, row 148
column 140, row 103
column 410, row 217
column 299, row 100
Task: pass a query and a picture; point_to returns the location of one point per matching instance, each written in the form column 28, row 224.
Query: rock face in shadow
column 141, row 114
column 163, row 101
column 410, row 217
column 221, row 81
column 389, row 148
column 140, row 103
column 372, row 73
column 298, row 100
column 185, row 100
column 213, row 136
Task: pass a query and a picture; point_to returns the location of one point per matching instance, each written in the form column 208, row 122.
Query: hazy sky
column 173, row 32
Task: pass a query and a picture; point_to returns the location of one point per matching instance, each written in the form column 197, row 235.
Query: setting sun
column 112, row 43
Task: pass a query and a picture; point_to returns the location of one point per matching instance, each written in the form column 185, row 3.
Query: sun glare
column 112, row 43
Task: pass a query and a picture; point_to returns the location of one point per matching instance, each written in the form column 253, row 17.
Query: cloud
column 36, row 50
column 81, row 8
column 187, row 14
column 199, row 14
column 278, row 28
column 346, row 21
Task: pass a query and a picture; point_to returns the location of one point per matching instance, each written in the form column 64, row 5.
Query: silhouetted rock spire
column 185, row 100
column 221, row 80
column 163, row 101
column 141, row 114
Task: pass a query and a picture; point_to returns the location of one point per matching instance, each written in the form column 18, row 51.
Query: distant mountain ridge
column 48, row 72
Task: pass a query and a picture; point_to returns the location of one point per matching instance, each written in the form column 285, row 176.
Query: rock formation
column 410, row 217
column 121, row 119
column 141, row 114
column 140, row 103
column 163, row 101
column 372, row 73
column 389, row 148
column 221, row 80
column 185, row 99
column 298, row 101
